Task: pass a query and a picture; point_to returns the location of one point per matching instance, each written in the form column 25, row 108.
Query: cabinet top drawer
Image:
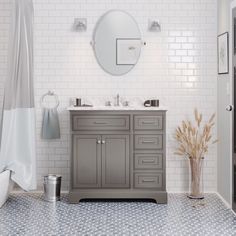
column 95, row 122
column 148, row 122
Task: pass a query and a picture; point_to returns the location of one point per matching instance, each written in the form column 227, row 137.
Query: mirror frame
column 94, row 34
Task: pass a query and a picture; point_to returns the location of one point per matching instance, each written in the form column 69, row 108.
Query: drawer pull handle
column 148, row 161
column 103, row 141
column 98, row 141
column 99, row 123
column 148, row 181
column 148, row 141
column 148, row 122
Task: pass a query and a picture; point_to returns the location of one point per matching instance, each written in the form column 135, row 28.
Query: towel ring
column 49, row 93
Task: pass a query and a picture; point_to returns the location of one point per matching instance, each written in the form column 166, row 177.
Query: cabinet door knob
column 98, row 141
column 103, row 141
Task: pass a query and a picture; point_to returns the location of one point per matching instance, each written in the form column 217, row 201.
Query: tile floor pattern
column 28, row 214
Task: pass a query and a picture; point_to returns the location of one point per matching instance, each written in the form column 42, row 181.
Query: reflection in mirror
column 117, row 42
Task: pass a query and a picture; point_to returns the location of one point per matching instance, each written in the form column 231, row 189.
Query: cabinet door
column 115, row 161
column 86, row 162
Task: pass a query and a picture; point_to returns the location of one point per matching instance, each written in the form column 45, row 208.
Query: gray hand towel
column 50, row 125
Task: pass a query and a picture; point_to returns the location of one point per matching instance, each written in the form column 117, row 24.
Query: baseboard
column 67, row 191
column 172, row 192
column 223, row 200
column 186, row 192
column 226, row 203
column 35, row 191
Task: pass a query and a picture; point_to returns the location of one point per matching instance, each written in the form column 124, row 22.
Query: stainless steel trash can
column 52, row 188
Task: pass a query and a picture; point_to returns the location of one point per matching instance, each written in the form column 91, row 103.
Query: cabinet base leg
column 75, row 196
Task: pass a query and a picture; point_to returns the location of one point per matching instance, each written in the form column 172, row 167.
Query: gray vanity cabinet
column 115, row 161
column 86, row 161
column 118, row 154
column 100, row 161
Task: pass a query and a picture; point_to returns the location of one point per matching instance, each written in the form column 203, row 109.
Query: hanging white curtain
column 17, row 151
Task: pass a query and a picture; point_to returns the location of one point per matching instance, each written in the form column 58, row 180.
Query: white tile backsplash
column 178, row 66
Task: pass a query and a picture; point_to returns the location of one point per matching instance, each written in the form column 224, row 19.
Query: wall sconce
column 80, row 24
column 154, row 26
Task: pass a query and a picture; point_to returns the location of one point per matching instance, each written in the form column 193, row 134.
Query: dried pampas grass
column 194, row 140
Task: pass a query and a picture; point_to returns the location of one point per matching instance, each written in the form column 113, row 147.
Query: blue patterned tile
column 28, row 214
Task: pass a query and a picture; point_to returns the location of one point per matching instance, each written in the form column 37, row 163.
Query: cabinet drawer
column 148, row 180
column 81, row 122
column 148, row 161
column 142, row 141
column 148, row 122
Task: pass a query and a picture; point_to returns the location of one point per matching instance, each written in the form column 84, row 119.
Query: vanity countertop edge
column 114, row 108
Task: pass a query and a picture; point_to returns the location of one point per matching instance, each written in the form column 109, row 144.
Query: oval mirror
column 117, row 42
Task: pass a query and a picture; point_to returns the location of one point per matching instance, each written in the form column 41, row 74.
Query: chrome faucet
column 117, row 102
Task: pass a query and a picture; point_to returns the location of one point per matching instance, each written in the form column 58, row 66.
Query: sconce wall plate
column 80, row 24
column 154, row 25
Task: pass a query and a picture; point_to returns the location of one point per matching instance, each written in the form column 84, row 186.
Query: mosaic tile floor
column 28, row 214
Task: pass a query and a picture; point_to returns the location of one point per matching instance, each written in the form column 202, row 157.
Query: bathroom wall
column 178, row 66
column 223, row 96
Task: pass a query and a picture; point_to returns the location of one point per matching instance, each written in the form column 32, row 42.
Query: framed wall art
column 223, row 53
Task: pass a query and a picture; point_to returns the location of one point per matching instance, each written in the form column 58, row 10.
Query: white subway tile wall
column 178, row 66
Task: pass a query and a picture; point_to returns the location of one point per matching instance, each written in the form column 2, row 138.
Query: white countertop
column 116, row 108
